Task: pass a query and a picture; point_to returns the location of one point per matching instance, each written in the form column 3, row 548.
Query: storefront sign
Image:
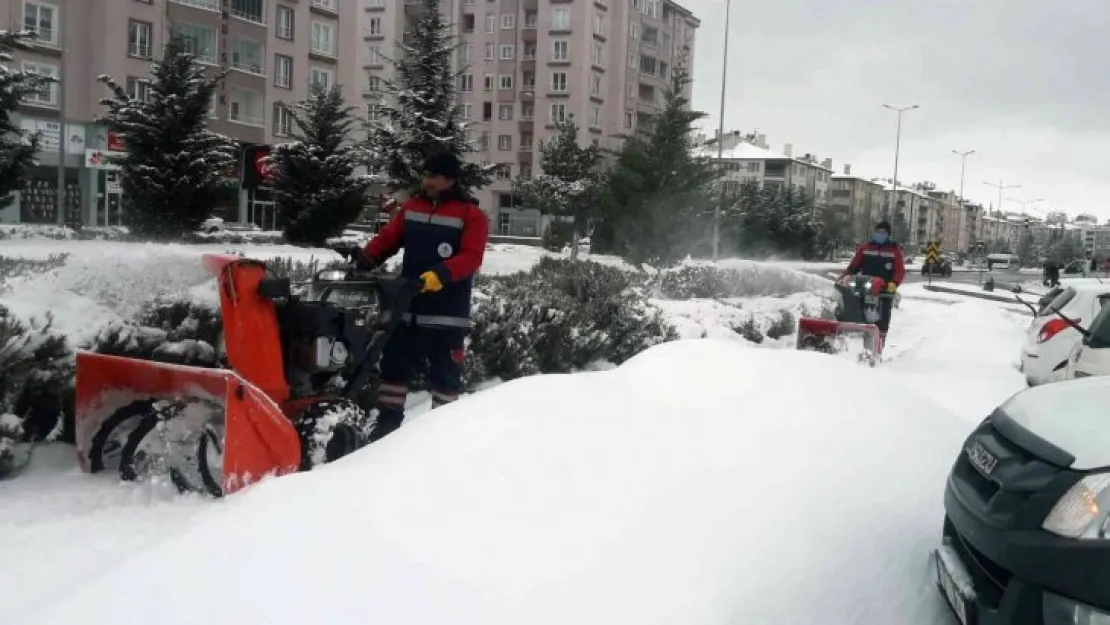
column 100, row 159
column 49, row 132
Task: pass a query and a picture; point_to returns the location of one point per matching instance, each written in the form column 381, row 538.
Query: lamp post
column 1001, row 187
column 721, row 138
column 898, row 147
column 1025, row 203
column 963, row 212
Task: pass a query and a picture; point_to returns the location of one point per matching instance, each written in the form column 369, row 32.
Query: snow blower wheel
column 331, row 429
column 211, row 441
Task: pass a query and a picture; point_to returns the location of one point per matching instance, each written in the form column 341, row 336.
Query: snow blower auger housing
column 299, row 392
column 856, row 316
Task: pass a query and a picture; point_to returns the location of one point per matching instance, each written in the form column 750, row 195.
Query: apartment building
column 526, row 64
column 859, row 198
column 273, row 50
column 746, row 158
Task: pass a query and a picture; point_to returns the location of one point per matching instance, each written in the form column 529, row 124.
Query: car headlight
column 1063, row 611
column 1083, row 511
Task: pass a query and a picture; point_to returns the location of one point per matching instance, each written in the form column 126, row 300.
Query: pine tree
column 17, row 148
column 571, row 183
column 660, row 192
column 1026, row 250
column 419, row 115
column 175, row 170
column 315, row 190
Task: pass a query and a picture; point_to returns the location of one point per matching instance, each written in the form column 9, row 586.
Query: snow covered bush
column 739, row 279
column 559, row 317
column 36, row 383
column 180, row 332
column 24, row 267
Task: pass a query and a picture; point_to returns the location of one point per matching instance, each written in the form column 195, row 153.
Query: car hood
column 1071, row 416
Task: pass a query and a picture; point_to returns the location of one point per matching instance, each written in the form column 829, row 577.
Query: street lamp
column 721, row 137
column 1025, row 203
column 963, row 211
column 898, row 147
column 1001, row 187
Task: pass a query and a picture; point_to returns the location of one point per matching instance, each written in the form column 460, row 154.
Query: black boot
column 388, row 421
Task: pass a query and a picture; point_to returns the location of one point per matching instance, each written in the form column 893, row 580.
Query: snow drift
column 701, row 482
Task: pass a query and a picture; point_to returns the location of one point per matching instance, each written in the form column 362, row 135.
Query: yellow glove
column 430, row 282
column 891, row 287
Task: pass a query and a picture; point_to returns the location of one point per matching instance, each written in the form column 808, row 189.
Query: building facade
column 746, row 158
column 859, row 198
column 526, row 64
column 272, row 49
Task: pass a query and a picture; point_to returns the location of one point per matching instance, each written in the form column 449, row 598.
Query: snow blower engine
column 856, row 316
column 299, row 392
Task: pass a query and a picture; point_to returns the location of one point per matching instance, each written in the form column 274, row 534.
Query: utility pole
column 963, row 211
column 1001, row 187
column 1025, row 203
column 721, row 139
column 897, row 149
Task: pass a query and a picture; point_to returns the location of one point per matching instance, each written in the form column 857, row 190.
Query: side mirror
column 275, row 288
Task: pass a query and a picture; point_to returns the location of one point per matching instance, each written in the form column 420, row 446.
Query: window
column 489, row 51
column 466, row 110
column 214, row 106
column 487, row 82
column 633, row 60
column 651, row 8
column 138, row 39
column 466, row 53
column 507, row 52
column 558, row 81
column 504, row 171
column 595, row 116
column 504, row 142
column 560, row 19
column 246, row 56
column 283, row 120
column 647, row 64
column 632, row 91
column 595, row 84
column 558, row 112
column 508, row 21
column 284, row 22
column 529, row 80
column 42, row 19
column 323, row 39
column 560, row 50
column 651, row 36
column 373, row 55
column 466, row 82
column 199, row 41
column 598, row 55
column 530, row 19
column 527, row 110
column 320, row 77
column 634, row 31
column 373, row 111
column 138, row 88
column 375, row 26
column 487, row 111
column 331, row 5
column 491, row 22
column 468, row 23
column 525, row 171
column 526, row 143
column 628, row 119
column 505, row 82
column 283, row 71
column 599, row 24
column 245, row 107
column 374, row 84
column 529, row 52
column 505, row 111
column 375, row 4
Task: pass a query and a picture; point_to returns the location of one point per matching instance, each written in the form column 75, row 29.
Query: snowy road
column 63, row 532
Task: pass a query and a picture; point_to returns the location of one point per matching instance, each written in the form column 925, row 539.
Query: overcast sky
column 1025, row 83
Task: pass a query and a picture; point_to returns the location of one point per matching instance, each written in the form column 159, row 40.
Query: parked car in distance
column 1048, row 345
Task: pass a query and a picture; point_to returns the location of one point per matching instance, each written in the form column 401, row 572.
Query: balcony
column 249, row 10
column 325, row 6
column 207, row 5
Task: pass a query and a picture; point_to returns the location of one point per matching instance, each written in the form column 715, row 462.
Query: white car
column 1091, row 356
column 1050, row 341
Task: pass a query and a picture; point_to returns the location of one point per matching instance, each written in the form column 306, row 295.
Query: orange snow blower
column 856, row 316
column 303, row 361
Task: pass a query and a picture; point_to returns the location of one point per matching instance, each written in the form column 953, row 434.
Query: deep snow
column 702, row 482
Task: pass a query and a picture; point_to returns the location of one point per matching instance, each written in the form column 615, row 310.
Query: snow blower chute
column 302, row 378
column 856, row 316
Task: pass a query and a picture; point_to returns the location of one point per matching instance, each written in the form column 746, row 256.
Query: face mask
column 879, row 237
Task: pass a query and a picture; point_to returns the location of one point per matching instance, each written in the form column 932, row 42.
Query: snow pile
column 694, row 484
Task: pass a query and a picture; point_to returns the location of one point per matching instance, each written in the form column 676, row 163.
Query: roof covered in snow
column 746, row 151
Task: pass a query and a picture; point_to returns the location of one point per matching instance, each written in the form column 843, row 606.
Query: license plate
column 960, row 605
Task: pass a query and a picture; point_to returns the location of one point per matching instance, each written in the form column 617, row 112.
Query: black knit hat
column 444, row 164
column 883, row 225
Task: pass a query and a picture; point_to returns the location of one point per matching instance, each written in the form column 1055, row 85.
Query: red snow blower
column 856, row 316
column 303, row 373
